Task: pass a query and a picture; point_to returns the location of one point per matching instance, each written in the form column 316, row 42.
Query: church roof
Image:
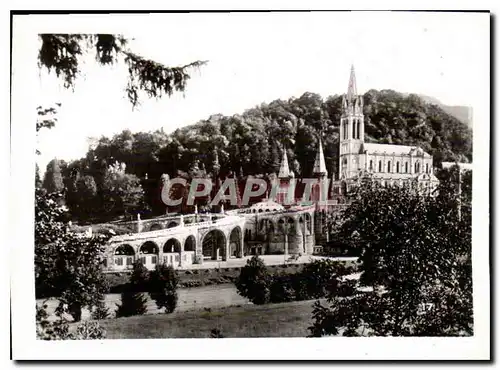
column 267, row 205
column 284, row 171
column 392, row 148
column 319, row 163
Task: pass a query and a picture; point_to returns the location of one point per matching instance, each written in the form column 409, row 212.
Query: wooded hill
column 251, row 143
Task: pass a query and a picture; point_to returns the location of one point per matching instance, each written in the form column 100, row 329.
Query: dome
column 267, row 206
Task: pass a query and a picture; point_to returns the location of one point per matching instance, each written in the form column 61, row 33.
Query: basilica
column 386, row 164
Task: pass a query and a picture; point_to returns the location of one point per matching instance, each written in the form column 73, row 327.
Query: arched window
column 427, row 168
column 371, row 165
column 389, row 166
column 379, row 166
column 417, row 167
column 354, row 129
column 359, row 129
column 397, row 167
column 406, row 167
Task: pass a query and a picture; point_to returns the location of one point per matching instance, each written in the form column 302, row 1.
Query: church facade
column 387, row 164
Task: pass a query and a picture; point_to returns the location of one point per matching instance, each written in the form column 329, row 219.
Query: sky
column 259, row 57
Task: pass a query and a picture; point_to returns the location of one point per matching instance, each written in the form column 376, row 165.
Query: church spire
column 284, row 171
column 351, row 89
column 319, row 163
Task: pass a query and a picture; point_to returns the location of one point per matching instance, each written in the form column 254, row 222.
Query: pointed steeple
column 352, row 92
column 319, row 163
column 284, row 171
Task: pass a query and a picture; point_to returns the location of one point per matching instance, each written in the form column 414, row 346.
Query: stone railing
column 225, row 221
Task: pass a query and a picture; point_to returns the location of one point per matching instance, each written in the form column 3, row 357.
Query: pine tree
column 132, row 303
column 100, row 312
column 163, row 287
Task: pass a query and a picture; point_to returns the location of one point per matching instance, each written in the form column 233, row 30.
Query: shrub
column 89, row 330
column 59, row 329
column 133, row 303
column 254, row 281
column 140, row 277
column 163, row 287
column 282, row 289
column 319, row 275
column 100, row 312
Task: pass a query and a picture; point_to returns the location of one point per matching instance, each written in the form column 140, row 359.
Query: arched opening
column 281, row 226
column 270, row 228
column 406, row 167
column 291, row 225
column 308, row 223
column 172, row 224
column 397, row 167
column 124, row 256
column 148, row 253
column 155, row 227
column 190, row 244
column 172, row 245
column 389, row 166
column 379, row 166
column 235, row 247
column 260, row 210
column 171, row 250
column 427, row 168
column 417, row 167
column 371, row 165
column 214, row 245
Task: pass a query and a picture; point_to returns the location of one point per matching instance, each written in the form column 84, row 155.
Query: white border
column 21, row 214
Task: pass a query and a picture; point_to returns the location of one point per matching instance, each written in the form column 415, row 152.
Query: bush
column 163, row 287
column 140, row 277
column 59, row 329
column 282, row 289
column 100, row 312
column 133, row 304
column 254, row 281
column 89, row 330
column 319, row 275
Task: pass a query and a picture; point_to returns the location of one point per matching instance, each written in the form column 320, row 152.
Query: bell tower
column 352, row 131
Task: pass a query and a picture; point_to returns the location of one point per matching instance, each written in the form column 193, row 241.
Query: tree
column 121, row 193
column 101, row 311
column 140, row 277
column 254, row 281
column 132, row 303
column 62, row 54
column 67, row 265
column 163, row 287
column 417, row 261
column 53, row 181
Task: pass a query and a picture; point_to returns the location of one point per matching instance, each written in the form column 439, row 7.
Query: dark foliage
column 132, row 304
column 163, row 287
column 62, row 54
column 416, row 259
column 251, row 144
column 254, row 281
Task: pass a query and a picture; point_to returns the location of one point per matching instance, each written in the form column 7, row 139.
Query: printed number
column 426, row 306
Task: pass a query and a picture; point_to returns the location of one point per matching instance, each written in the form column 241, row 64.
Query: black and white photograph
column 250, row 185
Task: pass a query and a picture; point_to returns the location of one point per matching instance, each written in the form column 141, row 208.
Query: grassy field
column 271, row 320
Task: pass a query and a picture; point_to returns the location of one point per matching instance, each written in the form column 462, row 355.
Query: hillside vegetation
column 251, row 143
